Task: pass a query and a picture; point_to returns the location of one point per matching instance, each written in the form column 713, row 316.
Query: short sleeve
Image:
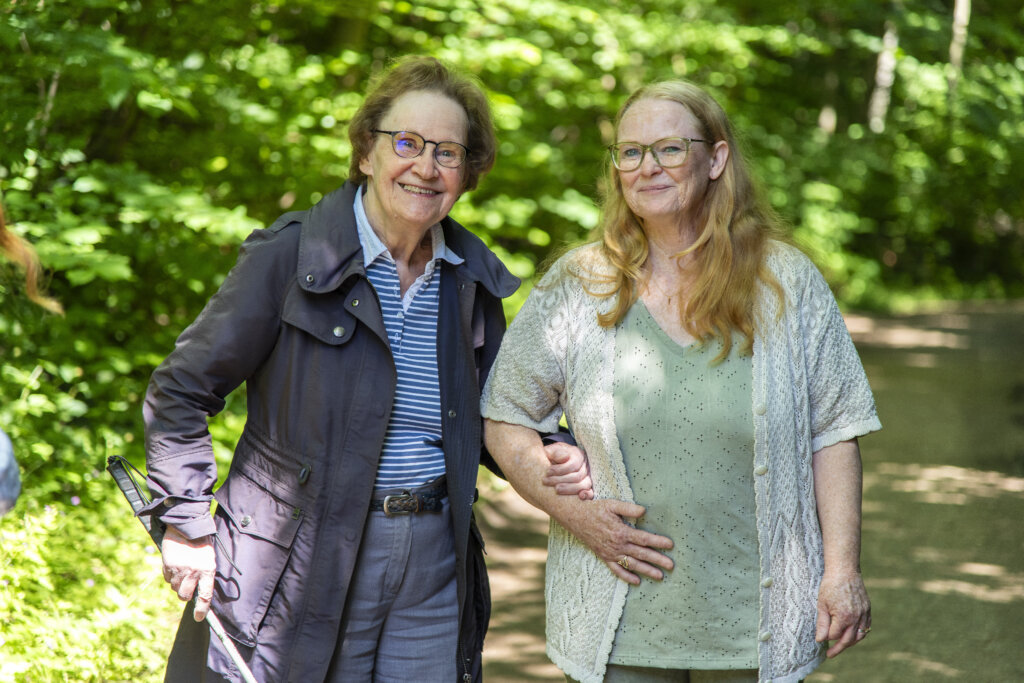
column 527, row 380
column 841, row 402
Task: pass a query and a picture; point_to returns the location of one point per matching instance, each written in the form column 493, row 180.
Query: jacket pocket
column 257, row 530
column 322, row 316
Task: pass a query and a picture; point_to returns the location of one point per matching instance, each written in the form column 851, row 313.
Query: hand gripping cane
column 137, row 498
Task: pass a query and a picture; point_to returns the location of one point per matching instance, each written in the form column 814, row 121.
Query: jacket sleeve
column 10, row 481
column 225, row 345
column 494, row 332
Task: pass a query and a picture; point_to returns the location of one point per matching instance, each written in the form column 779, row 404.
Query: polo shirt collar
column 374, row 247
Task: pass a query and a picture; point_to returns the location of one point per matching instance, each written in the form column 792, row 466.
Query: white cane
column 137, row 498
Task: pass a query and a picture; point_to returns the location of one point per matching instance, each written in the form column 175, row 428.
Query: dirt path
column 950, row 391
column 516, row 538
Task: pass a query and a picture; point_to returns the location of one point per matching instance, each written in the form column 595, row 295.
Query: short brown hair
column 416, row 73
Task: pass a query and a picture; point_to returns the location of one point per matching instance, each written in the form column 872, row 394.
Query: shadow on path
column 516, row 535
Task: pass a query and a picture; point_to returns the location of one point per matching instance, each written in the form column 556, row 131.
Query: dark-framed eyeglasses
column 409, row 145
column 668, row 152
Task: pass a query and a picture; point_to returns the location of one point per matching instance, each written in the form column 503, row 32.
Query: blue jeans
column 402, row 610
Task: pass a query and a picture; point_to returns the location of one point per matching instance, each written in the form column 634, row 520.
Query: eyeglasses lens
column 669, row 153
column 410, row 145
column 407, row 145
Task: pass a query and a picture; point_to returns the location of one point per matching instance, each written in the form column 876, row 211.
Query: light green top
column 687, row 439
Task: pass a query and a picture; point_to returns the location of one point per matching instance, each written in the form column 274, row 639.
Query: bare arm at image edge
column 844, row 610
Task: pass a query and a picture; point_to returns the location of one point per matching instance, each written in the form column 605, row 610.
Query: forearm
column 844, row 610
column 837, row 487
column 519, row 452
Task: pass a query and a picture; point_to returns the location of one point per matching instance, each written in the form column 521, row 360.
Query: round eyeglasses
column 409, row 145
column 667, row 152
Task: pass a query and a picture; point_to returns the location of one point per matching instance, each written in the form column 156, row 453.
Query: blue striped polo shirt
column 411, row 455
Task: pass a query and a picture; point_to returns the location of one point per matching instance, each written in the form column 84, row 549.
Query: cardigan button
column 767, row 583
column 761, row 470
column 760, row 409
column 765, row 637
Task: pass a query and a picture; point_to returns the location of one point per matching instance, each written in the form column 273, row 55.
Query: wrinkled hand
column 601, row 526
column 569, row 472
column 189, row 566
column 844, row 611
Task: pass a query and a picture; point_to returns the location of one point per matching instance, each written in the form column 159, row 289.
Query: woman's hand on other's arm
column 189, row 566
column 569, row 471
column 600, row 524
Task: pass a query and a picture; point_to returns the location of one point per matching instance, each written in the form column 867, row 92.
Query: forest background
column 142, row 140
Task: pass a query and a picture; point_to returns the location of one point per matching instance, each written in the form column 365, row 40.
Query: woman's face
column 671, row 195
column 413, row 194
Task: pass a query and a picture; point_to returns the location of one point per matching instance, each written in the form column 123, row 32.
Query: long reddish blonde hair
column 22, row 253
column 728, row 255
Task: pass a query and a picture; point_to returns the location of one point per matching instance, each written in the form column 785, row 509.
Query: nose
column 426, row 165
column 649, row 165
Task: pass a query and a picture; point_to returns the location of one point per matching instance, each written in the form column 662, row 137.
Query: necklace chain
column 651, row 280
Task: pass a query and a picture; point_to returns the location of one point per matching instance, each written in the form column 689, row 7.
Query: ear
column 364, row 164
column 719, row 158
column 366, row 167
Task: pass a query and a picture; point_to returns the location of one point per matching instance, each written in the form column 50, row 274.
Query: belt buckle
column 406, row 496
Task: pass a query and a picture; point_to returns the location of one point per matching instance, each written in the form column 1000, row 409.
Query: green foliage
column 73, row 615
column 142, row 140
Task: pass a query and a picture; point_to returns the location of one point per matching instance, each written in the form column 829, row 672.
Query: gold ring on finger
column 624, row 563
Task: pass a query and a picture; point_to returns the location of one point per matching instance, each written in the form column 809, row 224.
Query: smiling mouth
column 419, row 190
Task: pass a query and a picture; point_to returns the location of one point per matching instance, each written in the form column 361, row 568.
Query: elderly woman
column 363, row 328
column 703, row 365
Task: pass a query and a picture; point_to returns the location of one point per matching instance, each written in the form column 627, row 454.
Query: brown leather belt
column 428, row 498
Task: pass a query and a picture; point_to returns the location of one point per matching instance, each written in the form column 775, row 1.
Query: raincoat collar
column 330, row 251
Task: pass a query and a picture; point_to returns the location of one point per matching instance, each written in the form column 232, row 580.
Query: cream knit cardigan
column 809, row 391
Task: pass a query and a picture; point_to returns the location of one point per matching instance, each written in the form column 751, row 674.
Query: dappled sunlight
column 981, row 569
column 925, row 667
column 944, row 484
column 891, row 334
column 1011, row 592
column 976, row 580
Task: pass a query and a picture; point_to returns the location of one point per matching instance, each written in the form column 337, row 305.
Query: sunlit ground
column 943, row 512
